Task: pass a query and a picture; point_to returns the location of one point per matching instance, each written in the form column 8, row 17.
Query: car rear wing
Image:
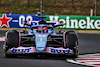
column 53, row 23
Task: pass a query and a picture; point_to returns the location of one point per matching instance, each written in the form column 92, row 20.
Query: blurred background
column 50, row 7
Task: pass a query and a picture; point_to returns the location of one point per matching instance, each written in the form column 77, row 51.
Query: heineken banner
column 76, row 22
column 70, row 22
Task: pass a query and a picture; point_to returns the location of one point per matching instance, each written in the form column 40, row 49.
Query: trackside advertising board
column 70, row 22
column 76, row 22
column 16, row 20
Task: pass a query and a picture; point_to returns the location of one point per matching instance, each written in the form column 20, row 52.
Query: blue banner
column 16, row 20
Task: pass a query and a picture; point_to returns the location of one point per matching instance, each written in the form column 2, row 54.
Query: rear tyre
column 72, row 42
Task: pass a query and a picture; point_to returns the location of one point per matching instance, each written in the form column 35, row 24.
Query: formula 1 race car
column 41, row 39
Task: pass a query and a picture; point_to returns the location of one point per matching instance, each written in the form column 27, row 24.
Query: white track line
column 88, row 59
column 72, row 61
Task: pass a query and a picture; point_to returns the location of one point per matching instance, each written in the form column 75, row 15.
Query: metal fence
column 50, row 7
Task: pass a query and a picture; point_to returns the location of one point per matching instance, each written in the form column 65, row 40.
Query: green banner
column 76, row 22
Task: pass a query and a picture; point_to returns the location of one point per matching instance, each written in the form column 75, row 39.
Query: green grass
column 58, row 7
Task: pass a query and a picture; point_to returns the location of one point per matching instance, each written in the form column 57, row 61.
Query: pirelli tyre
column 72, row 42
column 12, row 40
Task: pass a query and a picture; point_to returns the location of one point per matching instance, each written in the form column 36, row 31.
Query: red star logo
column 4, row 21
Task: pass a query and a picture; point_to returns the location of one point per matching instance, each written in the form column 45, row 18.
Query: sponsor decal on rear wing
column 37, row 22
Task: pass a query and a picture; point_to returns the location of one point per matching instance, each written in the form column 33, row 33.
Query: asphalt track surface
column 88, row 43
